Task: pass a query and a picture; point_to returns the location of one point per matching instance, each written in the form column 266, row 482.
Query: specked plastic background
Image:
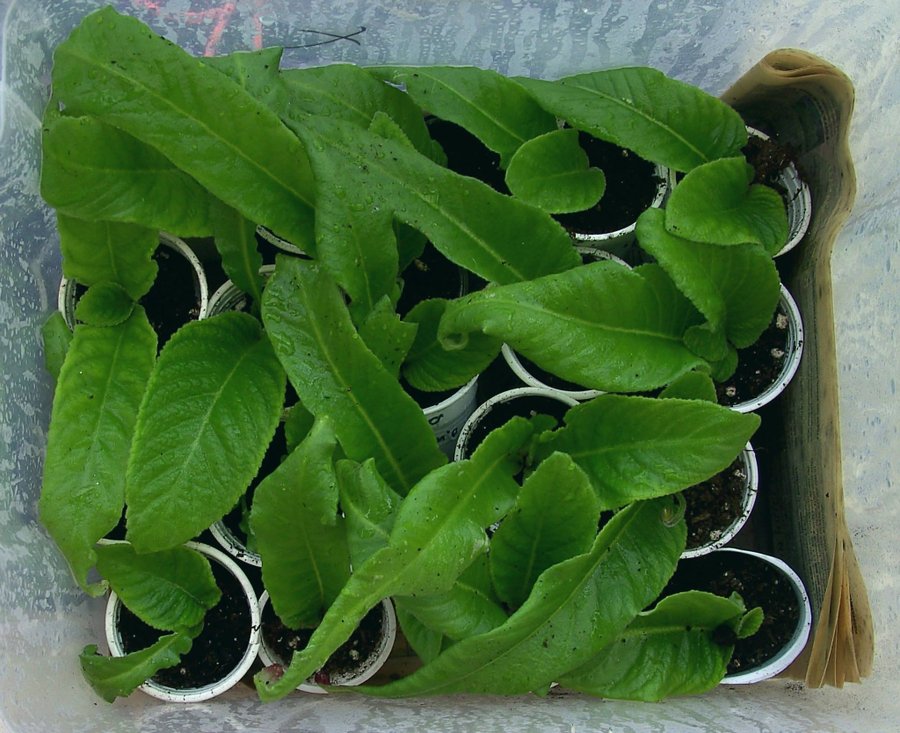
column 44, row 621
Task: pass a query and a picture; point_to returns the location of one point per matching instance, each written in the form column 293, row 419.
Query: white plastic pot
column 448, row 416
column 795, row 645
column 797, row 200
column 285, row 246
column 367, row 667
column 197, row 694
column 619, row 241
column 462, row 444
column 751, row 487
column 793, row 354
column 67, row 300
column 233, row 545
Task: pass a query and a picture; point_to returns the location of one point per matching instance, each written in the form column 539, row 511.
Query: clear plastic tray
column 45, row 621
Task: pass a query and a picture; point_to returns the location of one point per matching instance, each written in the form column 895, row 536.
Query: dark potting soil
column 467, row 155
column 430, row 275
column 174, row 298
column 282, row 642
column 759, row 584
column 216, row 652
column 759, row 365
column 768, row 159
column 631, row 185
column 714, row 505
column 526, row 406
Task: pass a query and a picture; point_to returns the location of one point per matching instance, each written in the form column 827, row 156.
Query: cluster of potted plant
column 501, row 563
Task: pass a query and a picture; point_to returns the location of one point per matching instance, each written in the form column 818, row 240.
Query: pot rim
column 794, row 352
column 506, row 396
column 388, row 637
column 213, row 689
column 751, row 488
column 65, row 298
column 279, row 242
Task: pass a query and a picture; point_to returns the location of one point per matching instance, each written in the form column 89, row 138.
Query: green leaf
column 489, row 105
column 576, row 608
column 426, row 643
column 104, row 304
column 661, row 119
column 113, row 677
column 670, row 650
column 205, row 123
column 736, row 288
column 716, row 203
column 438, row 532
column 553, row 173
column 102, row 251
column 94, row 171
column 337, row 377
column 725, row 367
column 600, row 325
column 56, row 337
column 707, row 342
column 235, row 239
column 639, row 447
column 386, row 336
column 209, row 413
column 170, row 590
column 94, row 410
column 431, row 367
column 299, row 534
column 257, row 73
column 691, row 386
column 467, row 609
column 297, row 423
column 750, row 623
column 555, row 518
column 499, row 238
column 369, row 506
column 350, row 93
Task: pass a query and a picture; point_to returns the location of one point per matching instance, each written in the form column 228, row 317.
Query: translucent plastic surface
column 45, row 620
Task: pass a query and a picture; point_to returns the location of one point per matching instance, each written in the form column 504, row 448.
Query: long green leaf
column 671, row 650
column 600, row 325
column 386, row 336
column 337, row 377
column 438, row 532
column 661, row 119
column 497, row 237
column 299, row 534
column 94, row 411
column 552, row 172
column 555, row 518
column 114, row 68
column 170, row 590
column 718, row 203
column 576, row 608
column 236, row 242
column 736, row 288
column 102, row 251
column 56, row 337
column 638, row 447
column 113, row 677
column 94, row 171
column 369, row 506
column 210, row 411
column 489, row 105
column 425, row 642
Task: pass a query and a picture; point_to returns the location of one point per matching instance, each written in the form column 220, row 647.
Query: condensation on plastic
column 45, row 620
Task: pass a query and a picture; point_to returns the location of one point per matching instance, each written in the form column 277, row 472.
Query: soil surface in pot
column 768, row 159
column 174, row 298
column 526, row 406
column 467, row 155
column 631, row 185
column 282, row 642
column 215, row 653
column 714, row 505
column 759, row 365
column 759, row 584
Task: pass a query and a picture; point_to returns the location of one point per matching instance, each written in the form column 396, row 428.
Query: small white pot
column 462, row 444
column 751, row 487
column 795, row 645
column 797, row 200
column 619, row 241
column 269, row 236
column 448, row 416
column 233, row 545
column 367, row 667
column 198, row 694
column 793, row 354
column 66, row 298
column 229, row 297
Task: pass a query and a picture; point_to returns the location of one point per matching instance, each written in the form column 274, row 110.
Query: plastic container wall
column 45, row 621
